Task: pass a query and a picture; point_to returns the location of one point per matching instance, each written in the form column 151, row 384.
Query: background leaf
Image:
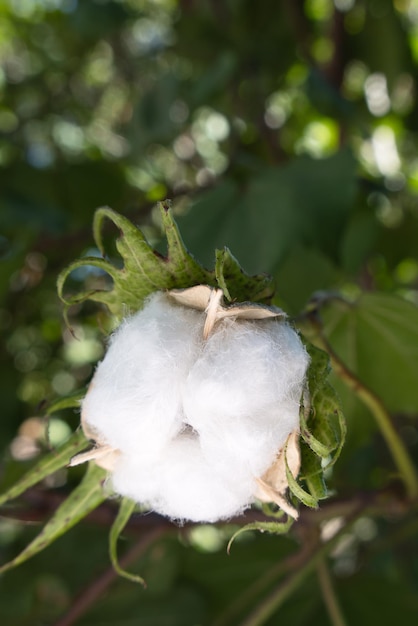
column 276, row 209
column 377, row 337
column 47, row 466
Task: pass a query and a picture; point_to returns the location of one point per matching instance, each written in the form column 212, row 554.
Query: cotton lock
column 195, row 403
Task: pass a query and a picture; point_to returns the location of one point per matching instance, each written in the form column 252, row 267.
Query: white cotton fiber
column 242, row 394
column 196, row 421
column 134, row 401
column 182, row 484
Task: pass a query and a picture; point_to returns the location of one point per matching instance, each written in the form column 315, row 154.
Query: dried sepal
column 272, row 486
column 211, row 301
column 103, row 455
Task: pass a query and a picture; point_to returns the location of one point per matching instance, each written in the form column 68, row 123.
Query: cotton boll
column 196, row 418
column 134, row 401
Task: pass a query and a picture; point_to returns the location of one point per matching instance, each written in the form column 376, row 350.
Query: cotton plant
column 207, row 402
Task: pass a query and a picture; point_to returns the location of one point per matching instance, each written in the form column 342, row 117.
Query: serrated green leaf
column 145, row 271
column 185, row 270
column 93, row 294
column 126, row 509
column 82, row 500
column 236, row 284
column 47, row 465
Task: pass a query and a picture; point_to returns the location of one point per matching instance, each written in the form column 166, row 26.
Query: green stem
column 273, row 601
column 394, row 442
column 328, row 594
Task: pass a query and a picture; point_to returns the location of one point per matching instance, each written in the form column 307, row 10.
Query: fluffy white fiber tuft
column 196, row 421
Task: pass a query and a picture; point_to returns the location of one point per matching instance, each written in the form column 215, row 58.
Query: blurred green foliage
column 287, row 131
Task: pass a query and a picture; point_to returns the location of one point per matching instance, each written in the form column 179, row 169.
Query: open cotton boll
column 134, row 401
column 196, row 405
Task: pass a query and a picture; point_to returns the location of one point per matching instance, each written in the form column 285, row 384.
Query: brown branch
column 300, row 25
column 89, row 596
column 37, row 505
column 334, row 70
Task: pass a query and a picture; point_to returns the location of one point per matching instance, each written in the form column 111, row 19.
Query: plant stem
column 395, row 444
column 328, row 594
column 273, row 601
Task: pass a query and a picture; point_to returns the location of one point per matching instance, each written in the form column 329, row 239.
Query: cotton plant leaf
column 126, row 509
column 82, row 500
column 185, row 271
column 145, row 271
column 239, row 286
column 49, row 464
column 377, row 338
column 97, row 295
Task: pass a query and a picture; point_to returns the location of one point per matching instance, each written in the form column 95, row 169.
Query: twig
column 300, row 25
column 334, row 70
column 37, row 505
column 92, row 593
column 329, row 595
